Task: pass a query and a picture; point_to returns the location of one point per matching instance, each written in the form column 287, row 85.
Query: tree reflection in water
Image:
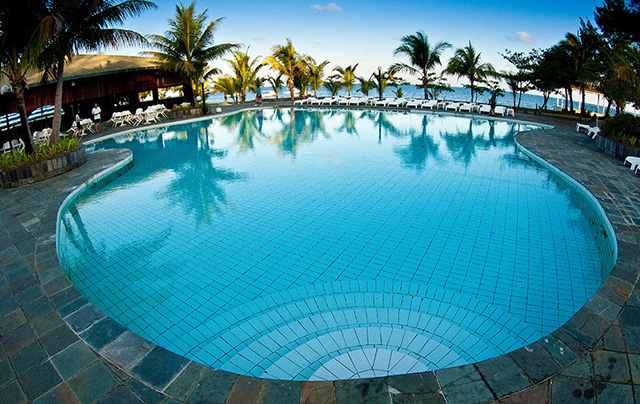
column 419, row 149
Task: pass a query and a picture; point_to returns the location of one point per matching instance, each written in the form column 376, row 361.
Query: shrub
column 18, row 159
column 622, row 128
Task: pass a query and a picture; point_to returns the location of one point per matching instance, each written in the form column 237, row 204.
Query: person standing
column 96, row 111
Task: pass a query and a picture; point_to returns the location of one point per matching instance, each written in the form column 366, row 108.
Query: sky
column 346, row 32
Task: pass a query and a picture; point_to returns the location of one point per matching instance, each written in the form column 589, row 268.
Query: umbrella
column 9, row 121
column 42, row 113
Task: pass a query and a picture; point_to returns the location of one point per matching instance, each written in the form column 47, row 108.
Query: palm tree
column 316, row 74
column 72, row 26
column 276, row 82
column 288, row 61
column 348, row 76
column 333, row 84
column 188, row 44
column 466, row 63
column 18, row 22
column 245, row 70
column 382, row 79
column 366, row 85
column 422, row 57
column 584, row 48
column 225, row 85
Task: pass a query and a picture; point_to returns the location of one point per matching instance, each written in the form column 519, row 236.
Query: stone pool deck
column 56, row 347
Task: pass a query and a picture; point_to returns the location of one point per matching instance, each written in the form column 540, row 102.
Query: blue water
column 324, row 245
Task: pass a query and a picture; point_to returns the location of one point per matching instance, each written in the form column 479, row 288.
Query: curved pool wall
column 383, row 294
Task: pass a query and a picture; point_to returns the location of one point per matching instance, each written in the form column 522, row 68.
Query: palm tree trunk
column 425, row 83
column 57, row 111
column 471, row 81
column 608, row 113
column 188, row 92
column 583, row 110
column 25, row 133
column 291, row 87
column 571, row 100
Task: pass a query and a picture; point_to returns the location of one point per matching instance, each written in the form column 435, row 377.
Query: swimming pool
column 323, row 245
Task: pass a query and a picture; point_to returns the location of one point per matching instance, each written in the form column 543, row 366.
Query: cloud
column 329, row 8
column 317, row 43
column 522, row 36
column 258, row 38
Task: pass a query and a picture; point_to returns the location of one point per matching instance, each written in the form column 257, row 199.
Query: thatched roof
column 96, row 65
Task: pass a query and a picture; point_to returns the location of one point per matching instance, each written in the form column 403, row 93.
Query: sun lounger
column 431, row 104
column 500, row 110
column 485, row 109
column 511, row 111
column 466, row 107
column 452, row 106
column 15, row 145
column 593, row 132
column 301, row 101
column 358, row 101
column 150, row 116
column 633, row 161
column 582, row 126
column 383, row 102
column 329, row 101
column 398, row 102
column 414, row 104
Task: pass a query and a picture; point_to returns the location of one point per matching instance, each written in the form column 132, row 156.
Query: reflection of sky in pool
column 332, row 245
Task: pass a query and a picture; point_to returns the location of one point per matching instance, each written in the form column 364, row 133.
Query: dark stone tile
column 127, row 349
column 56, row 285
column 159, row 367
column 587, row 326
column 46, row 322
column 146, row 393
column 186, row 382
column 609, row 366
column 6, row 372
column 576, row 346
column 414, row 383
column 629, row 317
column 36, row 308
column 64, row 297
column 246, row 390
column 582, row 368
column 12, row 394
column 58, row 339
column 60, row 395
column 560, row 352
column 29, row 295
column 536, row 362
column 23, row 284
column 102, row 333
column 463, row 384
column 8, row 302
column 72, row 306
column 92, row 383
column 117, row 372
column 533, row 395
column 73, row 359
column 28, row 357
column 39, row 380
column 613, row 393
column 11, row 321
column 372, row 391
column 18, row 338
column 503, row 375
column 614, row 340
column 84, row 318
column 634, row 364
column 121, row 395
column 570, row 390
column 214, row 387
column 632, row 339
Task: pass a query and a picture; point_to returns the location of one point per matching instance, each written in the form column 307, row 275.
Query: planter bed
column 615, row 149
column 41, row 170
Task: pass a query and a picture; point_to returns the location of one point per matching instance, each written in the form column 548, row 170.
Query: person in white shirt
column 96, row 116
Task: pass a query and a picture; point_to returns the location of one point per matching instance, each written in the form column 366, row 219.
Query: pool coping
column 557, row 362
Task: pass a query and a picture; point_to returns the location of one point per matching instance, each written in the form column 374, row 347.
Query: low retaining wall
column 42, row 170
column 615, row 149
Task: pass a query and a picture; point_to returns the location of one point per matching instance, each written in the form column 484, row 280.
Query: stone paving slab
column 56, row 347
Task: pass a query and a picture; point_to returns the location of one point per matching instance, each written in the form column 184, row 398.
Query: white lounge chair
column 398, row 102
column 431, row 104
column 634, row 162
column 301, row 101
column 442, row 104
column 358, row 101
column 315, row 101
column 511, row 111
column 329, row 101
column 383, row 102
column 150, row 116
column 485, row 109
column 452, row 106
column 414, row 104
column 593, row 132
column 88, row 125
column 500, row 110
column 466, row 107
column 15, row 145
column 582, row 126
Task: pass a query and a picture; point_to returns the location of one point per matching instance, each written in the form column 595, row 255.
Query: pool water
column 325, row 244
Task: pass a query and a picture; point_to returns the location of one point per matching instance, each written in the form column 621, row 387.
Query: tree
column 348, row 76
column 333, row 84
column 583, row 49
column 72, row 26
column 225, row 85
column 546, row 74
column 288, row 61
column 316, row 75
column 382, row 79
column 422, row 57
column 467, row 63
column 618, row 20
column 276, row 82
column 245, row 70
column 18, row 22
column 366, row 85
column 188, row 45
column 518, row 81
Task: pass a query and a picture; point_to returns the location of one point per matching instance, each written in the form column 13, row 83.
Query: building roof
column 82, row 66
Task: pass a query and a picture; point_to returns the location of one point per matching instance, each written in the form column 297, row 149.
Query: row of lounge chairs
column 594, row 131
column 151, row 115
column 406, row 103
